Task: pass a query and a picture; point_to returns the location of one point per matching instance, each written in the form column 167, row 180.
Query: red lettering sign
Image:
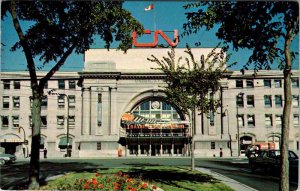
column 156, row 33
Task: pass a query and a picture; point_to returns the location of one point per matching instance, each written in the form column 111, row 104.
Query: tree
column 57, row 29
column 189, row 84
column 258, row 26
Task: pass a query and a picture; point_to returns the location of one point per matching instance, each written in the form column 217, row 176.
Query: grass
column 165, row 177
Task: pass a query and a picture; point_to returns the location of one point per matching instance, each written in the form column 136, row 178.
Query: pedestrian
column 45, row 153
column 221, row 152
column 24, row 150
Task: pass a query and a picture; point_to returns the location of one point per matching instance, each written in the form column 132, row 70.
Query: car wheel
column 2, row 161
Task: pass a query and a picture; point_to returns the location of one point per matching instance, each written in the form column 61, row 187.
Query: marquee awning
column 10, row 138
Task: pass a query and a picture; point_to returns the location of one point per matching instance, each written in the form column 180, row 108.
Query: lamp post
column 66, row 96
column 240, row 95
column 23, row 133
column 229, row 135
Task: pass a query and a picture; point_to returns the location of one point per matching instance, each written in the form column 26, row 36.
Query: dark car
column 269, row 160
column 7, row 158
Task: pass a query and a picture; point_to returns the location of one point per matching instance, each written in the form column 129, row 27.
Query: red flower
column 120, row 173
column 86, row 186
column 94, row 181
column 144, row 185
column 154, row 187
column 97, row 174
column 100, row 186
column 133, row 189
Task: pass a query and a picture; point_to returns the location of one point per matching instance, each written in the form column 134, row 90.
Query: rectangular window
column 72, row 101
column 5, row 102
column 277, row 83
column 15, row 121
column 99, row 114
column 268, row 100
column 60, row 120
column 30, row 121
column 239, row 101
column 61, row 101
column 6, row 84
column 166, row 106
column 241, row 120
column 267, row 83
column 72, row 84
column 295, row 101
column 98, row 145
column 44, row 102
column 5, row 122
column 43, row 121
column 278, row 100
column 296, row 120
column 61, row 84
column 17, row 84
column 239, row 84
column 249, row 83
column 295, row 82
column 250, row 120
column 250, row 100
column 268, row 120
column 72, row 121
column 212, row 145
column 16, row 102
column 145, row 106
column 278, row 120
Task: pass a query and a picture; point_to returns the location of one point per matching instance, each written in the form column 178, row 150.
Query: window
column 277, row 83
column 267, row 83
column 5, row 102
column 268, row 120
column 212, row 145
column 212, row 118
column 16, row 102
column 249, row 83
column 268, row 100
column 250, row 100
column 30, row 121
column 251, row 120
column 72, row 84
column 63, row 143
column 43, row 121
column 278, row 120
column 239, row 83
column 44, row 102
column 60, row 120
column 61, row 101
column 239, row 101
column 296, row 120
column 98, row 145
column 241, row 120
column 145, row 106
column 15, row 121
column 72, row 101
column 72, row 120
column 61, row 84
column 295, row 101
column 99, row 114
column 17, row 84
column 278, row 100
column 6, row 84
column 295, row 82
column 4, row 121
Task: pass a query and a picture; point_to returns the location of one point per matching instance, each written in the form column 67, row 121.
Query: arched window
column 275, row 139
column 42, row 143
column 157, row 109
column 63, row 143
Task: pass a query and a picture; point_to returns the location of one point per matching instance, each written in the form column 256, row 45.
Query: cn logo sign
column 156, row 33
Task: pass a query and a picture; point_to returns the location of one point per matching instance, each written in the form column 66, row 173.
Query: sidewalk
column 228, row 181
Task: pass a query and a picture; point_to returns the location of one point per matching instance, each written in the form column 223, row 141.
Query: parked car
column 254, row 149
column 269, row 160
column 7, row 158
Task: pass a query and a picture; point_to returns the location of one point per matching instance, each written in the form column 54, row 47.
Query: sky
column 166, row 16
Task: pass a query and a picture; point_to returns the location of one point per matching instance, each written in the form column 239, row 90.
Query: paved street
column 236, row 169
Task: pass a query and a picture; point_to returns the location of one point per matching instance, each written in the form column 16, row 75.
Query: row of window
column 61, row 84
column 268, row 120
column 15, row 121
column 267, row 101
column 44, row 104
column 277, row 83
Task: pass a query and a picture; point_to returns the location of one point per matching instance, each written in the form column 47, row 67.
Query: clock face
column 155, row 105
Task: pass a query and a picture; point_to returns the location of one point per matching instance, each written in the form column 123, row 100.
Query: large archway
column 155, row 127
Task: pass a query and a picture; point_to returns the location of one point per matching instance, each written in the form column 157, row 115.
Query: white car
column 7, row 158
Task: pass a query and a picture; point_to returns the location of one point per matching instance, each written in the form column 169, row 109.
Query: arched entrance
column 245, row 141
column 275, row 139
column 9, row 142
column 154, row 127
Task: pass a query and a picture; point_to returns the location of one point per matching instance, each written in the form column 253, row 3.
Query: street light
column 23, row 132
column 66, row 96
column 240, row 95
column 224, row 114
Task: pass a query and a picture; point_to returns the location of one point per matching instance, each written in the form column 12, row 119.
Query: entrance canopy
column 10, row 138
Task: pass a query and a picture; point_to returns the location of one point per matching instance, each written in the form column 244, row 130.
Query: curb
column 228, row 181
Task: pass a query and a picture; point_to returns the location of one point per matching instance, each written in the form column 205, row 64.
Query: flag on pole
column 150, row 7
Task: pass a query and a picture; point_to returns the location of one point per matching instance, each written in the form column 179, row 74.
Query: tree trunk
column 35, row 143
column 284, row 171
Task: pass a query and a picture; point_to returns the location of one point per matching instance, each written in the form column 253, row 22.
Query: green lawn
column 136, row 178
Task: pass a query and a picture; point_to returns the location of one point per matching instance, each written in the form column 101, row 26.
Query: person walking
column 24, row 150
column 45, row 153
